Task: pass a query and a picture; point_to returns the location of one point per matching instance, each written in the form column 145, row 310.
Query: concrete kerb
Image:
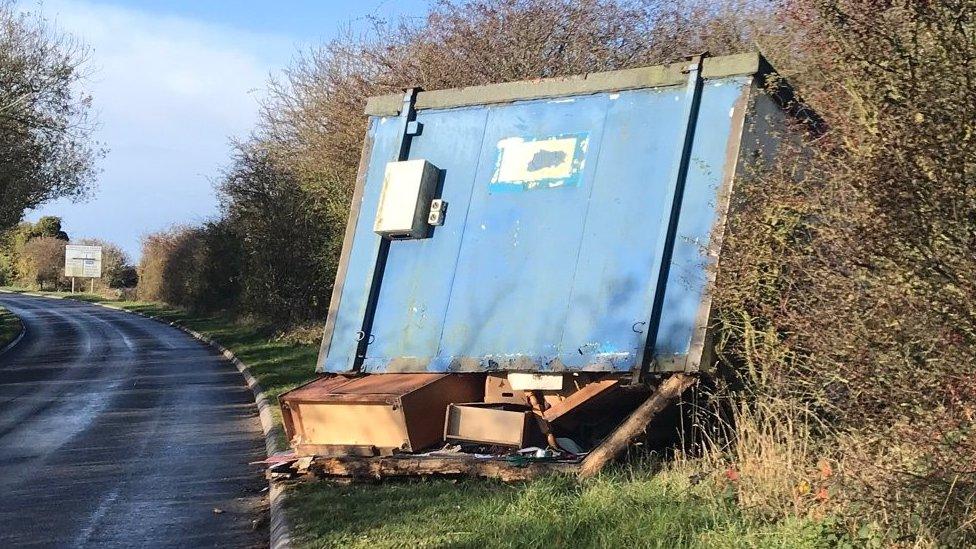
column 278, row 527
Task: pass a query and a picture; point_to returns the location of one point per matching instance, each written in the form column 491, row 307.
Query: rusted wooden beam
column 635, row 424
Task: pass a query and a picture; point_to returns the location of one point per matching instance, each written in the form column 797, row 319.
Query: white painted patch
column 529, row 381
column 517, row 159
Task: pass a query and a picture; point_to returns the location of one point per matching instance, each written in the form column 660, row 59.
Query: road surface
column 119, row 431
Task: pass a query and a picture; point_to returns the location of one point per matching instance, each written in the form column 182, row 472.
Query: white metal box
column 408, row 188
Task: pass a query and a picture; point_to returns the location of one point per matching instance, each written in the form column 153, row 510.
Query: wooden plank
column 412, row 466
column 573, row 401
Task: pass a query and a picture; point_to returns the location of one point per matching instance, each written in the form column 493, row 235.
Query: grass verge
column 624, row 508
column 642, row 505
column 10, row 327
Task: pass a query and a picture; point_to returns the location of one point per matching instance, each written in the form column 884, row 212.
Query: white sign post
column 82, row 262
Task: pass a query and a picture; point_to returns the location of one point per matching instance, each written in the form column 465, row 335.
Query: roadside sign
column 82, row 261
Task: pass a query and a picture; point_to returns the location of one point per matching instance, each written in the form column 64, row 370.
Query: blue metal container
column 584, row 221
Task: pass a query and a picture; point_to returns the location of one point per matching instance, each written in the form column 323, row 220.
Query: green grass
column 10, row 327
column 616, row 509
column 637, row 507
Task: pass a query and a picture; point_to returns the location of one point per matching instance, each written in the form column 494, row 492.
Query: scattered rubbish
column 499, row 433
column 566, row 404
column 302, row 464
column 447, row 450
column 505, row 468
column 281, row 457
column 570, row 446
column 536, row 452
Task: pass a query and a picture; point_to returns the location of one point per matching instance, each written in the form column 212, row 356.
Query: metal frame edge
column 699, row 346
column 597, row 82
column 355, row 205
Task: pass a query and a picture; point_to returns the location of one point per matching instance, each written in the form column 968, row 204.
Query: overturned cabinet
column 573, row 266
column 372, row 415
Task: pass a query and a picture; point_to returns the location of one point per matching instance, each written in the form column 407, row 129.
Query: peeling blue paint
column 545, row 281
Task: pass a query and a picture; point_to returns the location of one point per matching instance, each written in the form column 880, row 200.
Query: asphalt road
column 118, row 431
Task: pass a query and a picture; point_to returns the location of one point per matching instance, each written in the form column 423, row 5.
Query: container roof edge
column 637, row 78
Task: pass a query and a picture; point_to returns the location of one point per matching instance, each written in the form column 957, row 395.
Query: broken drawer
column 501, row 424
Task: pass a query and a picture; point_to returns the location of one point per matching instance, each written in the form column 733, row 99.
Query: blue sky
column 172, row 83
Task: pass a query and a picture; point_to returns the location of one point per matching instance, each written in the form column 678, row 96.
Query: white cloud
column 169, row 92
